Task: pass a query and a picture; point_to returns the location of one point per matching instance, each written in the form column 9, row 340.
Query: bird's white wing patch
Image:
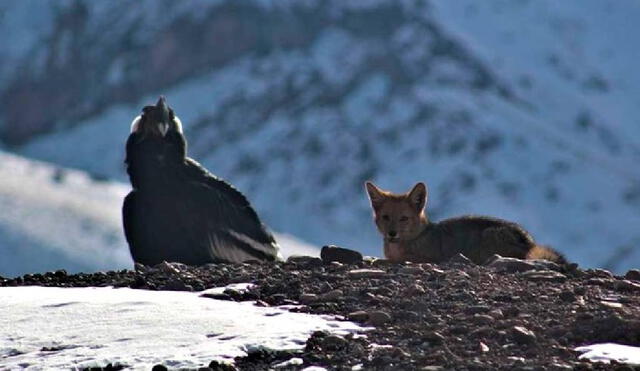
column 267, row 249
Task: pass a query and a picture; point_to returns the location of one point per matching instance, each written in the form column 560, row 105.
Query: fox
column 409, row 235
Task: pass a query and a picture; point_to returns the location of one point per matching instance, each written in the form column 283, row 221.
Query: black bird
column 177, row 210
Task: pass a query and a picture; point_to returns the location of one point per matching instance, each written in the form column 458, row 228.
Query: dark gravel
column 506, row 315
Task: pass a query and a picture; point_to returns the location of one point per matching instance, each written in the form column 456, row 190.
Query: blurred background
column 524, row 110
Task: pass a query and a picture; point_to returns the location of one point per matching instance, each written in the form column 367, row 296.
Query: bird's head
column 156, row 121
column 156, row 138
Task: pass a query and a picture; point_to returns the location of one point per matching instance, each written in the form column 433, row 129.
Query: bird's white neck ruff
column 135, row 124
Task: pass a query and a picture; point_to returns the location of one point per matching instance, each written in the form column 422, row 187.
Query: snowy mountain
column 56, row 218
column 523, row 110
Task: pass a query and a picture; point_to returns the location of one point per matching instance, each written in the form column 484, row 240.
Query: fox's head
column 399, row 217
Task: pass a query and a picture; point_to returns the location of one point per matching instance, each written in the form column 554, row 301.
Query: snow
column 607, row 352
column 56, row 218
column 95, row 326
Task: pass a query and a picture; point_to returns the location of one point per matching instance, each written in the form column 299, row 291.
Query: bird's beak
column 163, row 116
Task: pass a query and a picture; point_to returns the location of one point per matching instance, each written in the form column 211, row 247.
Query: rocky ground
column 508, row 314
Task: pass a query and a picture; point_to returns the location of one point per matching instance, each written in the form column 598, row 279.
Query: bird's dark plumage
column 177, row 210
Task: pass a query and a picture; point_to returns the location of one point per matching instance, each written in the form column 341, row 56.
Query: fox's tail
column 547, row 253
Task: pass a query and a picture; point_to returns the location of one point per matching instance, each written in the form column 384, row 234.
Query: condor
column 177, row 210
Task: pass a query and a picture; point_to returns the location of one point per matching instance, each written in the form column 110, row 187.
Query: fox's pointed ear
column 418, row 196
column 376, row 195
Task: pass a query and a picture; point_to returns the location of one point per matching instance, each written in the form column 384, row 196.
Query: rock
column 166, row 267
column 333, row 253
column 434, row 337
column 359, row 316
column 461, row 260
column 413, row 290
column 483, row 347
column 411, row 269
column 308, row 298
column 366, row 273
column 483, row 319
column 378, row 318
column 333, row 342
column 332, row 295
column 221, row 366
column 567, row 296
column 602, row 273
column 549, row 276
column 522, row 335
column 496, row 313
column 510, row 265
column 477, row 309
column 305, row 261
column 626, row 285
column 633, row 274
column 381, row 263
column 159, row 368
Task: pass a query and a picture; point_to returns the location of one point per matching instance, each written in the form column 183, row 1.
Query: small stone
column 477, row 309
column 167, row 267
column 461, row 259
column 611, row 304
column 626, row 285
column 603, row 273
column 378, row 318
column 159, row 368
column 598, row 281
column 359, row 316
column 483, row 347
column 482, row 319
column 561, row 366
column 381, row 263
column 496, row 313
column 580, row 290
column 60, row 273
column 308, row 298
column 633, row 274
column 333, row 253
column 411, row 269
column 567, row 296
column 522, row 335
column 366, row 273
column 414, row 290
column 140, row 268
column 546, row 276
column 332, row 295
column 333, row 342
column 434, row 337
column 305, row 261
column 510, row 265
column 221, row 366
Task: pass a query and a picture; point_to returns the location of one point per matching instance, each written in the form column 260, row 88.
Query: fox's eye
column 404, row 218
column 385, row 217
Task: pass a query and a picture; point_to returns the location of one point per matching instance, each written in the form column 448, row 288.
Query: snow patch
column 56, row 328
column 607, row 352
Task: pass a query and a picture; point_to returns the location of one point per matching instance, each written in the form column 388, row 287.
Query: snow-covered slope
column 69, row 328
column 522, row 110
column 54, row 218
